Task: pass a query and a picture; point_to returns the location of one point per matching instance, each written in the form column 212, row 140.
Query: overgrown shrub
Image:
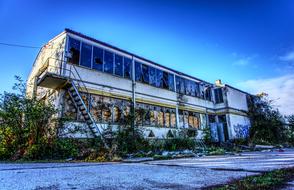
column 267, row 124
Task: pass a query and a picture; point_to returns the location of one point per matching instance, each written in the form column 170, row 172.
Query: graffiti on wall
column 241, row 131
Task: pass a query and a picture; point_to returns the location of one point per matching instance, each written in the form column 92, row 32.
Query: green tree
column 290, row 129
column 267, row 122
column 24, row 124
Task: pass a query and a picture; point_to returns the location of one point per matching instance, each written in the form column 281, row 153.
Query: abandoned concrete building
column 96, row 84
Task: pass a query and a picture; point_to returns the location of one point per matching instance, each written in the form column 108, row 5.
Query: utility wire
column 18, row 45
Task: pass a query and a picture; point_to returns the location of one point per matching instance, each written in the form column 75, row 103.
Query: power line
column 18, row 45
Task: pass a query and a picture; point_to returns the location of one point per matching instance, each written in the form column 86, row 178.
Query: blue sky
column 247, row 44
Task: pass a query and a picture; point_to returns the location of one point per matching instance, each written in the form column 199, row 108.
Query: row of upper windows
column 106, row 61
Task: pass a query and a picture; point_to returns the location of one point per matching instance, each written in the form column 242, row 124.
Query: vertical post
column 64, row 60
column 177, row 105
column 133, row 91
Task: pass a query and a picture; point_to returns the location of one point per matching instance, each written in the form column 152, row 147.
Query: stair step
column 82, row 108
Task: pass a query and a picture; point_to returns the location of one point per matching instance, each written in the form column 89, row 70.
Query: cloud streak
column 280, row 89
column 243, row 61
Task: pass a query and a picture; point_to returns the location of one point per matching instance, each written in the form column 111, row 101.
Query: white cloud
column 243, row 61
column 280, row 89
column 289, row 57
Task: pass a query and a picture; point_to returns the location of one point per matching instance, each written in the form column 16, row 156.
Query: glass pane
column 186, row 125
column 152, row 118
column 196, row 122
column 160, row 118
column 74, row 49
column 208, row 93
column 190, row 120
column 108, row 62
column 180, row 82
column 138, row 71
column 86, row 55
column 118, row 67
column 165, row 80
column 188, row 87
column 159, row 78
column 106, row 115
column 181, row 119
column 145, row 73
column 127, row 68
column 197, row 89
column 147, row 117
column 116, row 114
column 171, row 84
column 173, row 120
column 193, row 88
column 152, row 76
column 97, row 59
column 167, row 119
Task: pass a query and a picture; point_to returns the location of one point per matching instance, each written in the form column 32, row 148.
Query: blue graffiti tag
column 242, row 131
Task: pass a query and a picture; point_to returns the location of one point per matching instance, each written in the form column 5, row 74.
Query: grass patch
column 268, row 180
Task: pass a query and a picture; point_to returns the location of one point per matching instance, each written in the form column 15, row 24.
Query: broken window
column 127, row 68
column 145, row 73
column 159, row 78
column 167, row 118
column 211, row 118
column 190, row 120
column 126, row 111
column 96, row 107
column 138, row 71
column 106, row 114
column 165, row 80
column 181, row 118
column 186, row 124
column 196, row 121
column 152, row 118
column 118, row 66
column 218, row 93
column 171, row 85
column 86, row 55
column 202, row 95
column 146, row 120
column 190, row 87
column 108, row 62
column 97, row 59
column 197, row 89
column 207, row 91
column 160, row 118
column 180, row 85
column 173, row 119
column 116, row 114
column 152, row 76
column 74, row 50
column 139, row 116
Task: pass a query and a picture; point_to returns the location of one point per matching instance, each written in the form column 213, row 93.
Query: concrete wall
column 236, row 99
column 238, row 126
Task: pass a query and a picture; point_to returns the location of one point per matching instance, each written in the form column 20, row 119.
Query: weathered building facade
column 96, row 84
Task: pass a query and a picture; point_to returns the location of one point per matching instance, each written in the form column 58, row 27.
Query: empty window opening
column 74, row 50
column 108, row 62
column 86, row 55
column 97, row 59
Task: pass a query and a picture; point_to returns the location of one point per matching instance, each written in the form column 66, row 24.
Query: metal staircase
column 201, row 145
column 73, row 91
column 67, row 76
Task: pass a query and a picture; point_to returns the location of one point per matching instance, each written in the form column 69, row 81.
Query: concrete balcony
column 54, row 74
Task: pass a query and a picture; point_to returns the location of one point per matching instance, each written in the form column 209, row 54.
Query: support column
column 133, row 91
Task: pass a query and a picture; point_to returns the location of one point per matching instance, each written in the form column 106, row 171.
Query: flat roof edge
column 131, row 54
